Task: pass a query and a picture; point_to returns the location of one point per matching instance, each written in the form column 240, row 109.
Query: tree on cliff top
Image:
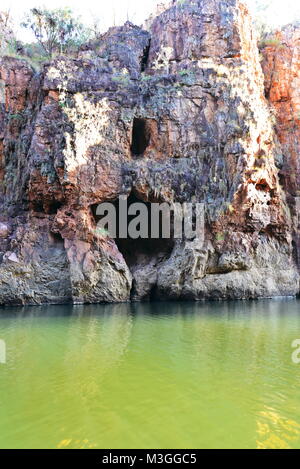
column 261, row 20
column 55, row 29
column 270, row 15
column 6, row 30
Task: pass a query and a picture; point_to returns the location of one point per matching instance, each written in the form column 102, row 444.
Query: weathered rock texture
column 281, row 66
column 176, row 113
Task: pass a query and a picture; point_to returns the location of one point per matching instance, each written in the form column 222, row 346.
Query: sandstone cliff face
column 281, row 66
column 176, row 113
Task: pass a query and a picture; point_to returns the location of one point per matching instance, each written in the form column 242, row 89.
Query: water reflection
column 275, row 431
column 216, row 374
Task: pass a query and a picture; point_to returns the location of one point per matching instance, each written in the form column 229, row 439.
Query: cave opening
column 141, row 251
column 56, row 239
column 53, row 207
column 140, row 137
column 49, row 207
column 134, row 250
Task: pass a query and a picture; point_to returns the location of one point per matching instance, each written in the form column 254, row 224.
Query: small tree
column 261, row 15
column 55, row 29
column 6, row 31
column 5, row 18
column 265, row 18
column 95, row 28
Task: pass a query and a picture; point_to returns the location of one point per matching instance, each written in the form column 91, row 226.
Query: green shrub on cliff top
column 55, row 30
column 269, row 41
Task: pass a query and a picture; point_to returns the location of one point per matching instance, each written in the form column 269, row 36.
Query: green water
column 161, row 375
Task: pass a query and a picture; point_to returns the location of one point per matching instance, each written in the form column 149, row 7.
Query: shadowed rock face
column 176, row 113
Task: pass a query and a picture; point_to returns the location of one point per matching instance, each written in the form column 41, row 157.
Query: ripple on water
column 164, row 375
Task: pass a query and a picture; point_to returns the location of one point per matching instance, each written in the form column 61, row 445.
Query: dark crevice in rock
column 296, row 251
column 52, row 208
column 140, row 137
column 37, row 207
column 49, row 208
column 56, row 238
column 145, row 57
column 282, row 180
column 262, row 186
column 154, row 293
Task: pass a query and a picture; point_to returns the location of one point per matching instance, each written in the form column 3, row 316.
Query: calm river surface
column 160, row 375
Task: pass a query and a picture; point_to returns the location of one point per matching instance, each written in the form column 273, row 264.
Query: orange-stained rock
column 281, row 66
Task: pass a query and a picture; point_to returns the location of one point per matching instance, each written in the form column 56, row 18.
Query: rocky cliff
column 281, row 67
column 180, row 112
